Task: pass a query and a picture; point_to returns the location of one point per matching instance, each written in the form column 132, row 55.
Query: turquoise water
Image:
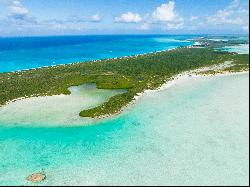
column 194, row 133
column 241, row 49
column 32, row 52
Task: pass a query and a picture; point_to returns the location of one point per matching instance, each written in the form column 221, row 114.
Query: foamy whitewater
column 194, row 132
column 240, row 49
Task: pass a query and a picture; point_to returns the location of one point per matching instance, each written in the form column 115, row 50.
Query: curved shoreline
column 185, row 76
column 57, row 110
column 135, row 73
column 168, row 84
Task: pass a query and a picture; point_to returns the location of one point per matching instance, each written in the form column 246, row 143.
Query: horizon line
column 151, row 34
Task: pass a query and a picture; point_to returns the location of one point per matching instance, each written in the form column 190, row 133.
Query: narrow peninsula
column 135, row 74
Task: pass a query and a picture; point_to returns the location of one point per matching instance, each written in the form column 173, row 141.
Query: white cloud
column 17, row 3
column 128, row 17
column 17, row 10
column 193, row 18
column 77, row 19
column 165, row 12
column 233, row 14
column 96, row 18
column 167, row 15
column 18, row 20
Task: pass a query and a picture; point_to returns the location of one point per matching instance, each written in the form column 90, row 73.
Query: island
column 134, row 73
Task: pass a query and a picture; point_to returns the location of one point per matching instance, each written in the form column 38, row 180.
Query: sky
column 84, row 17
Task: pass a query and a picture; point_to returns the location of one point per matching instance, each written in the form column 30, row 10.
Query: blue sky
column 79, row 17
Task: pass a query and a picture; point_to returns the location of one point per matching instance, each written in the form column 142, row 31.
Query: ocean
column 22, row 53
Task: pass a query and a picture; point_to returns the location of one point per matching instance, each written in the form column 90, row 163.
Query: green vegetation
column 134, row 74
column 223, row 43
column 239, row 64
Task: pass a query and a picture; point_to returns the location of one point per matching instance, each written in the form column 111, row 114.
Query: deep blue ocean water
column 22, row 53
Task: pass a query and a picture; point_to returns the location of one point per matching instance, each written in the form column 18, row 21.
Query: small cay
column 36, row 177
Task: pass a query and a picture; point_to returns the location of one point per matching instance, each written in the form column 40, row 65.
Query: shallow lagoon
column 194, row 133
column 59, row 110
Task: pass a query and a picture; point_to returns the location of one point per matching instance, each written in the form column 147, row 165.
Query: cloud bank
column 233, row 14
column 162, row 18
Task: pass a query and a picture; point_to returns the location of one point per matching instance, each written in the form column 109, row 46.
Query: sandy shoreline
column 193, row 73
column 184, row 76
column 168, row 84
